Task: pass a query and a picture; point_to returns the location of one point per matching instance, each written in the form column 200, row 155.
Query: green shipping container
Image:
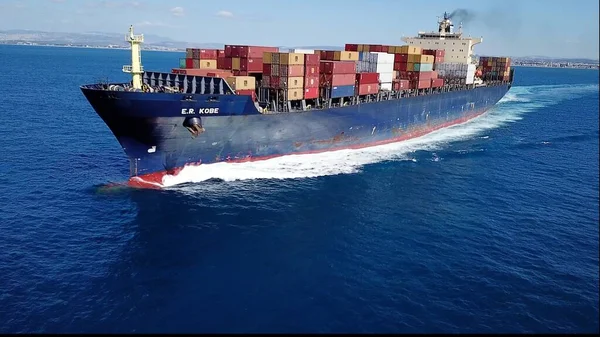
column 423, row 67
column 182, row 63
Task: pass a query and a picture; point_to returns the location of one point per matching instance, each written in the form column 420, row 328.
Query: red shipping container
column 401, row 66
column 220, row 53
column 311, row 93
column 327, row 55
column 367, row 89
column 248, row 92
column 438, row 59
column 332, row 80
column 208, row 54
column 338, row 67
column 440, row 53
column 311, row 70
column 422, row 84
column 255, row 51
column 221, row 62
column 189, row 63
column 428, row 52
column 240, row 73
column 351, row 47
column 312, row 59
column 226, row 63
column 403, row 84
column 251, row 65
column 400, row 58
column 377, row 48
column 228, row 50
column 311, row 81
column 434, row 74
column 219, row 73
column 419, row 75
column 291, row 70
column 437, row 82
column 367, row 78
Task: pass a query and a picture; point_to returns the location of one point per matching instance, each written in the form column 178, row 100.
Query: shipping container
column 267, row 57
column 312, row 59
column 338, row 67
column 196, row 64
column 401, row 66
column 351, row 47
column 188, row 53
column 228, row 63
column 341, row 91
column 228, row 51
column 220, row 53
column 295, row 94
column 289, row 82
column 367, row 78
column 310, row 70
column 207, row 54
column 384, row 67
column 345, row 56
column 423, row 67
column 332, row 80
column 311, row 81
column 401, row 58
column 221, row 63
column 409, row 49
column 367, row 89
column 302, row 51
column 386, row 86
column 401, row 85
column 291, row 58
column 240, row 73
column 242, row 82
column 421, row 76
column 437, row 82
column 219, row 73
column 235, row 63
column 414, row 58
column 270, row 69
column 363, row 47
column 291, row 70
column 311, row 93
column 249, row 92
column 424, row 59
column 438, row 59
column 251, row 65
column 254, row 51
column 420, row 84
column 386, row 77
column 189, row 63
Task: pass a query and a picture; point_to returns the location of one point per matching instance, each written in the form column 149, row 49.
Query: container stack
column 312, row 73
column 243, row 85
column 456, row 73
column 337, row 78
column 245, row 60
column 199, row 59
column 367, row 84
column 385, row 68
column 495, row 68
column 284, row 73
column 438, row 55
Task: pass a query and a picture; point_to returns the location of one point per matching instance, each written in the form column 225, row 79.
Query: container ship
column 246, row 103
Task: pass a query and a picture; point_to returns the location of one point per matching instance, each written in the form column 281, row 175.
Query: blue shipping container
column 342, row 91
column 363, row 55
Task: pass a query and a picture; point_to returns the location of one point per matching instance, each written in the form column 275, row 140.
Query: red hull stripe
column 154, row 180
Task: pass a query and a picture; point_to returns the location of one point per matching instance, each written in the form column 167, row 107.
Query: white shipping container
column 384, row 67
column 384, row 58
column 303, row 51
column 386, row 77
column 386, row 86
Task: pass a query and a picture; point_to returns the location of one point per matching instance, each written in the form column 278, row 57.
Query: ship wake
column 513, row 107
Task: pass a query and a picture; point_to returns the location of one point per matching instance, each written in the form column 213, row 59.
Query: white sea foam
column 517, row 102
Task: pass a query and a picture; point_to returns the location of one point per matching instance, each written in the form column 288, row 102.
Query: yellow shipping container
column 409, row 49
column 410, row 66
column 345, row 56
column 235, row 63
column 291, row 58
column 363, row 47
column 422, row 58
column 210, row 64
column 294, row 82
column 295, row 94
column 267, row 57
column 242, row 82
column 392, row 49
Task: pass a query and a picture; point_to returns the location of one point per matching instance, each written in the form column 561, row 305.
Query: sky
column 509, row 27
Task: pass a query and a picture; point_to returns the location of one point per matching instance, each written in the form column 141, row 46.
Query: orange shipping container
column 242, row 82
column 293, row 82
column 423, row 58
column 235, row 63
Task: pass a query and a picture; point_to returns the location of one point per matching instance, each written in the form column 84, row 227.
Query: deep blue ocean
column 491, row 226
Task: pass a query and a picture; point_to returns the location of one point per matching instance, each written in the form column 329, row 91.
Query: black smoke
column 462, row 15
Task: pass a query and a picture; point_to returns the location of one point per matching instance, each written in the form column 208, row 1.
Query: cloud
column 177, row 11
column 225, row 14
column 153, row 24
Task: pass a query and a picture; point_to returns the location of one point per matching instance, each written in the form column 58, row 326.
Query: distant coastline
column 517, row 62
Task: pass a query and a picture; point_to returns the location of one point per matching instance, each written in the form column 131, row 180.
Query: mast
column 135, row 69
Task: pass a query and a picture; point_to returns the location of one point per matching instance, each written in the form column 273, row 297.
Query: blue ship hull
column 151, row 127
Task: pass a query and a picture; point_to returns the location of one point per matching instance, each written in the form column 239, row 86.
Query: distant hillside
column 94, row 39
